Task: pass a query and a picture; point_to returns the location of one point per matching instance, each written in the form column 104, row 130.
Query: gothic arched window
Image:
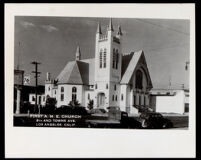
column 74, row 94
column 113, row 62
column 101, row 58
column 115, row 87
column 106, row 86
column 138, row 82
column 117, row 58
column 62, row 93
column 104, row 58
column 122, row 97
column 62, row 89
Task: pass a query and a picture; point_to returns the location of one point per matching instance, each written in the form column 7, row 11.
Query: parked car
column 154, row 120
column 114, row 118
column 114, row 112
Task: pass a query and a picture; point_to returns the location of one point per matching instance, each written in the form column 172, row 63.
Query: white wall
column 101, row 88
column 49, row 89
column 92, row 97
column 68, row 94
column 43, row 99
column 171, row 104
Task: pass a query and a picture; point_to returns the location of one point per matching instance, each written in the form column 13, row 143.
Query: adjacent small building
column 169, row 100
column 41, row 99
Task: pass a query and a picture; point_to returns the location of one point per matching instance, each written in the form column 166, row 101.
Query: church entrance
column 101, row 99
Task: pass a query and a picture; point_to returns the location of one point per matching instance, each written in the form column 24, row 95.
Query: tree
column 50, row 106
column 90, row 105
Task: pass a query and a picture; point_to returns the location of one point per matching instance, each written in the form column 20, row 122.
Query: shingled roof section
column 78, row 72
column 65, row 73
column 84, row 71
column 70, row 74
column 131, row 65
column 125, row 61
column 91, row 72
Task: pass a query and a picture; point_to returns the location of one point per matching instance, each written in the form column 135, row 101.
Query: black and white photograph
column 101, row 72
column 111, row 73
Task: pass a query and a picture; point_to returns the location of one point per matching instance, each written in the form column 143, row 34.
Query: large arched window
column 115, row 87
column 62, row 89
column 104, row 58
column 101, row 58
column 62, row 93
column 117, row 58
column 138, row 82
column 74, row 94
column 114, row 57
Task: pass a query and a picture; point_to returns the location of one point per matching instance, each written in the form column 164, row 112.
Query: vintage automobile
column 114, row 118
column 154, row 120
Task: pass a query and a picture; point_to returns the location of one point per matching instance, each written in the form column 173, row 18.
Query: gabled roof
column 77, row 72
column 125, row 62
column 91, row 72
column 129, row 65
column 70, row 74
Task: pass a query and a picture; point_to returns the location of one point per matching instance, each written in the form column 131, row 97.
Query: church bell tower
column 108, row 57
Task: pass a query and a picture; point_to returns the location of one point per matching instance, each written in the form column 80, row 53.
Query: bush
column 50, row 106
column 90, row 105
column 74, row 103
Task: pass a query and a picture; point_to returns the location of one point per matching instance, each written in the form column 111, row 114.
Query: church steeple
column 110, row 28
column 78, row 54
column 99, row 29
column 119, row 31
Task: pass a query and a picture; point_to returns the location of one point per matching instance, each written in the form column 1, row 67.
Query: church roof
column 125, row 62
column 77, row 72
column 129, row 65
column 83, row 71
column 70, row 74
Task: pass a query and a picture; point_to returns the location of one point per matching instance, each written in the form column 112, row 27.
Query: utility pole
column 36, row 77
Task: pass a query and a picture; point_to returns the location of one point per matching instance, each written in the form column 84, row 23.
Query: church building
column 112, row 78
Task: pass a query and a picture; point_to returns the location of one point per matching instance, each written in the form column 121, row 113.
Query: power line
column 164, row 27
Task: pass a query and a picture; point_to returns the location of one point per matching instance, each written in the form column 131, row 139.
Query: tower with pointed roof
column 108, row 64
column 78, row 54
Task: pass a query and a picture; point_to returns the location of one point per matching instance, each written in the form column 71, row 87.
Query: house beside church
column 112, row 78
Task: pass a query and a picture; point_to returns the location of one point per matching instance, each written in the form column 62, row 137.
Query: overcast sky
column 53, row 42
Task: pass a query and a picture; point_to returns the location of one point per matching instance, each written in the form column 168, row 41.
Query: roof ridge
column 79, row 70
column 64, row 69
